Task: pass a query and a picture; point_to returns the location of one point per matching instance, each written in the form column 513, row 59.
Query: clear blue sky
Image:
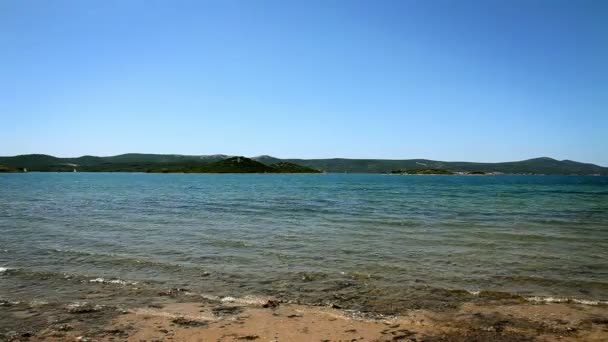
column 449, row 80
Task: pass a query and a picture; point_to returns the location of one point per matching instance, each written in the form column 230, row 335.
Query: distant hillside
column 43, row 162
column 229, row 165
column 134, row 162
column 235, row 165
column 286, row 167
column 531, row 166
column 4, row 169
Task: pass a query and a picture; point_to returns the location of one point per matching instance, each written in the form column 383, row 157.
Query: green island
column 438, row 172
column 234, row 165
column 422, row 172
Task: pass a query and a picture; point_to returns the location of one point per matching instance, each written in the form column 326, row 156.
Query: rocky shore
column 179, row 316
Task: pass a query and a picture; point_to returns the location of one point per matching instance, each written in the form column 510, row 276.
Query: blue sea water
column 365, row 240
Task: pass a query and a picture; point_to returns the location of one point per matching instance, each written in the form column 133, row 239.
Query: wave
column 316, row 296
column 227, row 243
column 246, row 300
column 565, row 300
column 112, row 281
column 538, row 299
column 113, row 258
column 46, row 275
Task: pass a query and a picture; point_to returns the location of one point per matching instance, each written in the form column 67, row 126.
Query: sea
column 365, row 242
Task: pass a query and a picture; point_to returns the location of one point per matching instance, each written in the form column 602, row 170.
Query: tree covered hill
column 542, row 165
column 135, row 162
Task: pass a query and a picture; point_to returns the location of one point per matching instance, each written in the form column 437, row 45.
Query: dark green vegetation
column 221, row 163
column 423, row 172
column 542, row 165
column 153, row 163
column 233, row 165
column 7, row 169
column 229, row 165
column 287, row 167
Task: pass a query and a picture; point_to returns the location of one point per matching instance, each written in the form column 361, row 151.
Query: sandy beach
column 180, row 318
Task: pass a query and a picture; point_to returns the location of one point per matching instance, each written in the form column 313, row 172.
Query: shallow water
column 364, row 240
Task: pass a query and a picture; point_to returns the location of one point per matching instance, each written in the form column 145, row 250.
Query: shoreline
column 183, row 317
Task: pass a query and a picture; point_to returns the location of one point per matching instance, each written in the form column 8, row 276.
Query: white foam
column 540, row 299
column 252, row 300
column 247, row 300
column 76, row 305
column 209, row 297
column 9, row 302
column 4, row 269
column 566, row 300
column 37, row 303
column 112, row 281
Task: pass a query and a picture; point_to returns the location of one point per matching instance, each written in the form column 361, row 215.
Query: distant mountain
column 122, row 162
column 162, row 158
column 542, row 165
column 134, row 162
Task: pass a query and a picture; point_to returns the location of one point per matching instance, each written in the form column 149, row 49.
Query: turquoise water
column 365, row 241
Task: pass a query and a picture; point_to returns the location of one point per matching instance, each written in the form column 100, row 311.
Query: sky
column 484, row 80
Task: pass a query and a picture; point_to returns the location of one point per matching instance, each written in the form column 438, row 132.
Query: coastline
column 186, row 317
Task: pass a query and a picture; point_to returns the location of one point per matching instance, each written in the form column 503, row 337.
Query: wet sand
column 190, row 319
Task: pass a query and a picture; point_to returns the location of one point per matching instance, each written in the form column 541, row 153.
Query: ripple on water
column 369, row 240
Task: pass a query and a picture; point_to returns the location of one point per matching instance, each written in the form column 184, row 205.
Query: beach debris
column 599, row 320
column 226, row 310
column 64, row 327
column 271, row 303
column 188, row 322
column 248, row 337
column 117, row 332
